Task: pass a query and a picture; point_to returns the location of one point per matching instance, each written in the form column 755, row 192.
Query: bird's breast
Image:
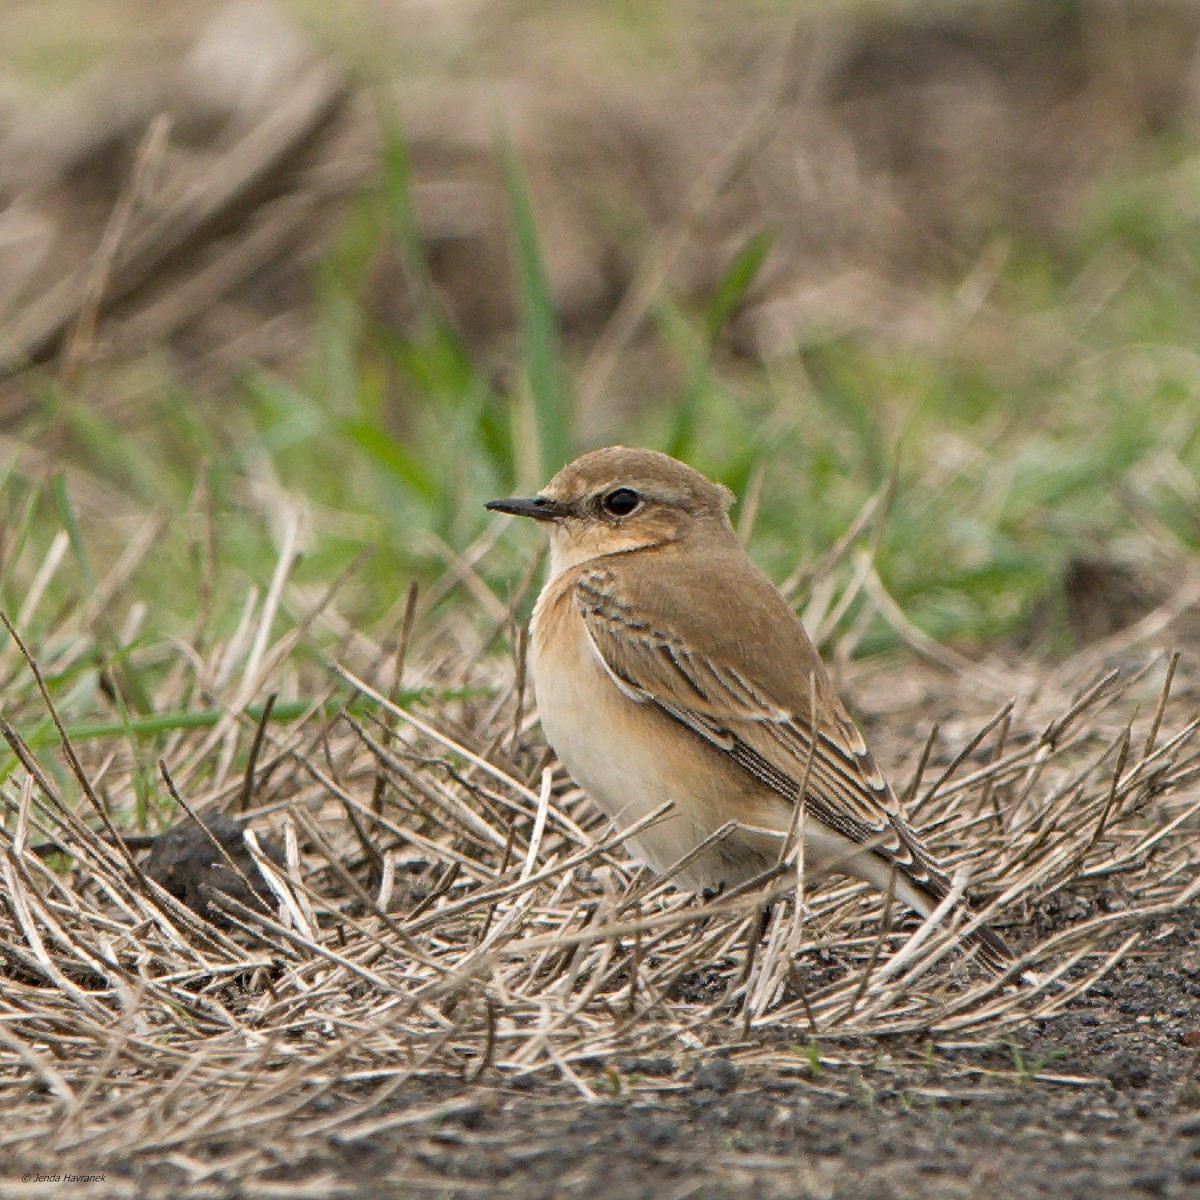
column 606, row 740
column 630, row 756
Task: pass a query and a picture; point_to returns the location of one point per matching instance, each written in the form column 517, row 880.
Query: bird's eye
column 621, row 502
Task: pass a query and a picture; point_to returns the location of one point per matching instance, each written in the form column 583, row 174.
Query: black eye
column 621, row 502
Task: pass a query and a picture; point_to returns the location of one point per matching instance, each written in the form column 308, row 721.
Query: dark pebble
column 470, row 1117
column 654, row 1131
column 827, row 1147
column 185, row 861
column 716, row 1075
column 588, row 1121
column 1155, row 1183
column 661, row 1067
column 1129, row 1071
column 485, row 1166
column 749, row 1111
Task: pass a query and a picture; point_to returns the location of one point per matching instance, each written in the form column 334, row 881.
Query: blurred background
column 340, row 273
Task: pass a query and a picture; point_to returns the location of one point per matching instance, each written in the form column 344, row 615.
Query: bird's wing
column 724, row 703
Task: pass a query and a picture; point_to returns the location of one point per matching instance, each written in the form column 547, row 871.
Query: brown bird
column 668, row 667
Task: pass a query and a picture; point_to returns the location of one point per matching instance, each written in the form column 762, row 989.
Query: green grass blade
column 544, row 375
column 401, row 213
column 129, row 682
column 395, row 457
column 736, row 281
column 126, row 680
column 18, row 536
column 45, row 735
column 70, row 523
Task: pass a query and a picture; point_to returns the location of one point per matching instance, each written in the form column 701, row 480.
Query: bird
column 667, row 667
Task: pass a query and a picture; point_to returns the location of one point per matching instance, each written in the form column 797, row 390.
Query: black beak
column 540, row 508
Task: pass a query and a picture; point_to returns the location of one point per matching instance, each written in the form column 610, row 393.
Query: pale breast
column 630, row 757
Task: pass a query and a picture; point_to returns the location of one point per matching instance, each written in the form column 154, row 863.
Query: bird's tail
column 923, row 886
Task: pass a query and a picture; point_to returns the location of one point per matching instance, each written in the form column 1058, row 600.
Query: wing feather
column 652, row 664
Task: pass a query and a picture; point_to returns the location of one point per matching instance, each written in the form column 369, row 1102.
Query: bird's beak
column 540, row 508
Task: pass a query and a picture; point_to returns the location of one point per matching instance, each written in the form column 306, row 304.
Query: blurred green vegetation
column 1074, row 424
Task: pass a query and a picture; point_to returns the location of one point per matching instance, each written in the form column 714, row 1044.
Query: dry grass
column 452, row 909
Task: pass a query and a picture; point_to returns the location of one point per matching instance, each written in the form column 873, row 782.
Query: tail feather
column 928, row 886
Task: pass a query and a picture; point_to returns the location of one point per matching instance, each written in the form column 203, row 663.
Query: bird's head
column 615, row 500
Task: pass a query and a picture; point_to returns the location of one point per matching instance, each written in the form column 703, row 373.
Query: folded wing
column 779, row 743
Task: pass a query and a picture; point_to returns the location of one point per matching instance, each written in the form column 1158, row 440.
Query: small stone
column 749, row 1111
column 1129, row 1071
column 1155, row 1183
column 658, row 1067
column 1189, row 964
column 187, row 860
column 1190, row 1038
column 470, row 1117
column 655, row 1132
column 716, row 1075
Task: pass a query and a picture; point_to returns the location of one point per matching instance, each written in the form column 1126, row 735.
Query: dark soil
column 197, row 862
